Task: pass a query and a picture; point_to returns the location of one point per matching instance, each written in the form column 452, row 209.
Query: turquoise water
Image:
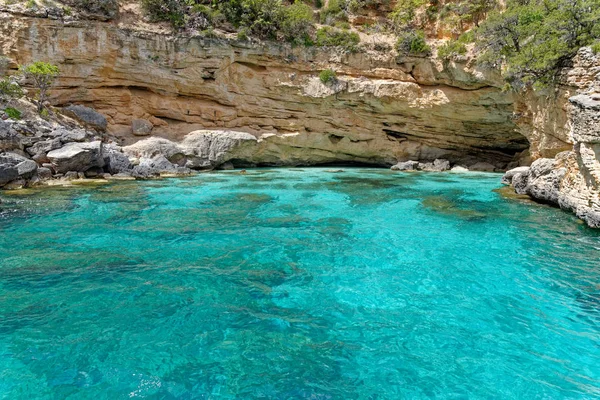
column 298, row 283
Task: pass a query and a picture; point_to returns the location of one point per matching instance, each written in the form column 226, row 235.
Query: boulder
column 8, row 173
column 438, row 165
column 508, row 176
column 87, row 116
column 406, row 166
column 44, row 173
column 27, row 169
column 482, row 167
column 152, row 147
column 71, row 175
column 141, row 127
column 9, row 138
column 207, row 149
column 77, row 157
column 44, row 146
column 150, row 167
column 71, row 135
column 116, row 161
column 459, row 169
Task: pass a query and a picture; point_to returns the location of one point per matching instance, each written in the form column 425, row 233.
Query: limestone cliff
column 382, row 109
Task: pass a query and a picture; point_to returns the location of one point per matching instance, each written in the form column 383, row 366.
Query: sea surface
column 296, row 284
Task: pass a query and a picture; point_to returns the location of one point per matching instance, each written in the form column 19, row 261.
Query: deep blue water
column 297, row 283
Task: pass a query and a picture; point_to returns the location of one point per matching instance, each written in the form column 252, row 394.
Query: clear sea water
column 296, row 283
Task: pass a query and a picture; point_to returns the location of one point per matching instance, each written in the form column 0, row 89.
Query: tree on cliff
column 42, row 75
column 533, row 40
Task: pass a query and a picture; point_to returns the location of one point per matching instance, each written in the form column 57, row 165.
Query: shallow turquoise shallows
column 296, row 283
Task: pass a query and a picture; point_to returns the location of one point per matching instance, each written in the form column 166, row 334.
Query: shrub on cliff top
column 413, row 43
column 346, row 39
column 533, row 40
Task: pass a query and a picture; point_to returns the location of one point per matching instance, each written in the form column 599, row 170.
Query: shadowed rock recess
column 155, row 104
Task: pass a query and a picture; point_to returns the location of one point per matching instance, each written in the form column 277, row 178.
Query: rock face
column 382, row 109
column 571, row 180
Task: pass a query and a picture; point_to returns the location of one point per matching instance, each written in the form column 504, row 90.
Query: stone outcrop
column 571, row 180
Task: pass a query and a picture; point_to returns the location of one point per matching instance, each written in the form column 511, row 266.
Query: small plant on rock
column 42, row 75
column 12, row 113
column 328, row 76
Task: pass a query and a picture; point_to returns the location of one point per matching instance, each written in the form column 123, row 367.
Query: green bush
column 12, row 113
column 596, row 47
column 327, row 36
column 405, row 12
column 297, row 22
column 451, row 50
column 172, row 11
column 327, row 76
column 532, row 41
column 10, row 89
column 413, row 43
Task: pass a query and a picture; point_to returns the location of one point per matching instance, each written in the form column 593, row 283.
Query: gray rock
column 9, row 138
column 406, row 166
column 44, row 146
column 438, row 165
column 141, row 127
column 508, row 176
column 72, row 135
column 87, row 116
column 459, row 169
column 71, row 175
column 150, row 167
column 81, row 175
column 8, row 173
column 11, row 158
column 77, row 157
column 115, row 161
column 44, row 173
column 207, row 149
column 482, row 167
column 199, row 149
column 27, row 169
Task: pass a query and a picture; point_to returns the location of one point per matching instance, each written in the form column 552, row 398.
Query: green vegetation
column 596, row 47
column 328, row 76
column 9, row 88
column 344, row 38
column 12, row 113
column 532, row 40
column 453, row 49
column 412, row 43
column 42, row 75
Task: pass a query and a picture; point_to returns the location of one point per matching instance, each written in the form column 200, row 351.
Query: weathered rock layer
column 382, row 108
